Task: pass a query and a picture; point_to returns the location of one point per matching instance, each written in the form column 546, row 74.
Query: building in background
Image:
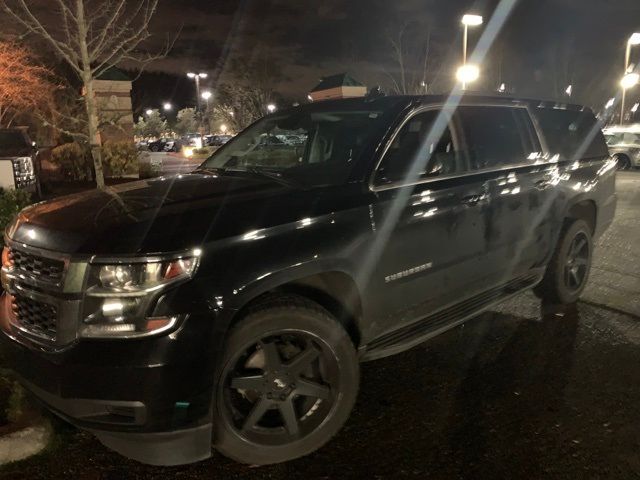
column 337, row 86
column 113, row 92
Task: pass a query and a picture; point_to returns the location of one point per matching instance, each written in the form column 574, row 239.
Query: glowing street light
column 610, row 103
column 630, row 80
column 149, row 112
column 634, row 39
column 468, row 20
column 167, row 107
column 197, row 77
column 468, row 73
column 223, row 128
column 472, row 20
column 502, row 88
column 207, row 95
column 271, row 108
column 569, row 90
column 634, row 109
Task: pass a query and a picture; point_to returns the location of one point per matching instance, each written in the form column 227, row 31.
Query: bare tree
column 91, row 36
column 248, row 88
column 25, row 87
column 410, row 46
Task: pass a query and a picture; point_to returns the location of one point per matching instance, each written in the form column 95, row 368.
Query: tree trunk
column 89, row 96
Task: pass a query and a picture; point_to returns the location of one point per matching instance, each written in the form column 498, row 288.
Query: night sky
column 545, row 45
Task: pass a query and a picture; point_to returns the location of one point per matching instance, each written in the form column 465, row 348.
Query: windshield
column 12, row 141
column 311, row 148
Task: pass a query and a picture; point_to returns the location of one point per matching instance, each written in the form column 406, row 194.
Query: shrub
column 119, row 158
column 73, row 160
column 11, row 202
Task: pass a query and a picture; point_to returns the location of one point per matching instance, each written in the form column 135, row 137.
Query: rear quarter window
column 573, row 134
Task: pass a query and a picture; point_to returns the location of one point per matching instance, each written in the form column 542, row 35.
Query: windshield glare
column 312, row 148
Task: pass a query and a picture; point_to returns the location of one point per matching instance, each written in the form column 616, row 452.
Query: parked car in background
column 234, row 304
column 157, row 145
column 217, row 140
column 18, row 156
column 624, row 145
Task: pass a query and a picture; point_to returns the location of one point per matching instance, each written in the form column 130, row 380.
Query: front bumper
column 148, row 399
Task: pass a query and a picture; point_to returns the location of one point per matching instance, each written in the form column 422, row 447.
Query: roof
column 335, row 81
column 114, row 74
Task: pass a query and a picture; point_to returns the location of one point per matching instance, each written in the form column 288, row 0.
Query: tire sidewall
column 259, row 325
column 565, row 295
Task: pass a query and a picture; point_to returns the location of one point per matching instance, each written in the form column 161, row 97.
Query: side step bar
column 445, row 319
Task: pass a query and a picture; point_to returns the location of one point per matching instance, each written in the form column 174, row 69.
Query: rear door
column 501, row 144
column 430, row 232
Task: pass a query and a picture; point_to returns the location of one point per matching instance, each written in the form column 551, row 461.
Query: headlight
column 119, row 295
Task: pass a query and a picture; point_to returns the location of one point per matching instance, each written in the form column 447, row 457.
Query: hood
column 162, row 215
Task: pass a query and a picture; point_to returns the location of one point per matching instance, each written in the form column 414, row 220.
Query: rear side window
column 573, row 134
column 495, row 136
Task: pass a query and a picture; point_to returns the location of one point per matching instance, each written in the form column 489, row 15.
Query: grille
column 36, row 317
column 42, row 268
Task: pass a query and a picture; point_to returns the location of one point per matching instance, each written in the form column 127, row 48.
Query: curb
column 24, row 443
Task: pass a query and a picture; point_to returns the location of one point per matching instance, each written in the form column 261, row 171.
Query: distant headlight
column 119, row 295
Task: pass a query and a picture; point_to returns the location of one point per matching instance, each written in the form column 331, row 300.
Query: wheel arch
column 334, row 290
column 584, row 210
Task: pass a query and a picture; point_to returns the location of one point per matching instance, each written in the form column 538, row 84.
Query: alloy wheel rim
column 281, row 388
column 577, row 262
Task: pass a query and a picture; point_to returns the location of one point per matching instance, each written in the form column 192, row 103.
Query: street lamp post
column 206, row 95
column 634, row 39
column 468, row 20
column 197, row 77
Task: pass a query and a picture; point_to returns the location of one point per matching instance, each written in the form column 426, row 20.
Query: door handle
column 472, row 199
column 542, row 184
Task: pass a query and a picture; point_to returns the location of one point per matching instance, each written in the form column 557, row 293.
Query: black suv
column 231, row 306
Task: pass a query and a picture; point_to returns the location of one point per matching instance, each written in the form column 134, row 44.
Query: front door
column 429, row 222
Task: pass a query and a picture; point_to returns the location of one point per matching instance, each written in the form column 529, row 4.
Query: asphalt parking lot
column 524, row 391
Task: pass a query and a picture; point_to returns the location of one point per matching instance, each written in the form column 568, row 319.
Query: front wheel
column 288, row 382
column 623, row 162
column 567, row 273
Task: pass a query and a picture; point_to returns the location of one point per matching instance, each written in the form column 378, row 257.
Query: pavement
column 172, row 163
column 520, row 392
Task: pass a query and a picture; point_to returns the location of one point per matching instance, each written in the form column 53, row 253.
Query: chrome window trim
column 440, row 106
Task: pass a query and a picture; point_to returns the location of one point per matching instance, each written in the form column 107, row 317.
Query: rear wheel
column 567, row 273
column 288, row 383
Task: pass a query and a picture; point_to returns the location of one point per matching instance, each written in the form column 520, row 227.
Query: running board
column 411, row 335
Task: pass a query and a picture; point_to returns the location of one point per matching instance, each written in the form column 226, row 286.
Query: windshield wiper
column 278, row 177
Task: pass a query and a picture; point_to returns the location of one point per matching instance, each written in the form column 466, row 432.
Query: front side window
column 494, row 136
column 423, row 148
column 313, row 148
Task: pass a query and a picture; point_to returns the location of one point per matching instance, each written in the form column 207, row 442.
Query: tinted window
column 572, row 134
column 495, row 136
column 422, row 148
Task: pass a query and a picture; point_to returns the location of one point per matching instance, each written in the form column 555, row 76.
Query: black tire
column 155, row 149
column 624, row 163
column 315, row 377
column 568, row 271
